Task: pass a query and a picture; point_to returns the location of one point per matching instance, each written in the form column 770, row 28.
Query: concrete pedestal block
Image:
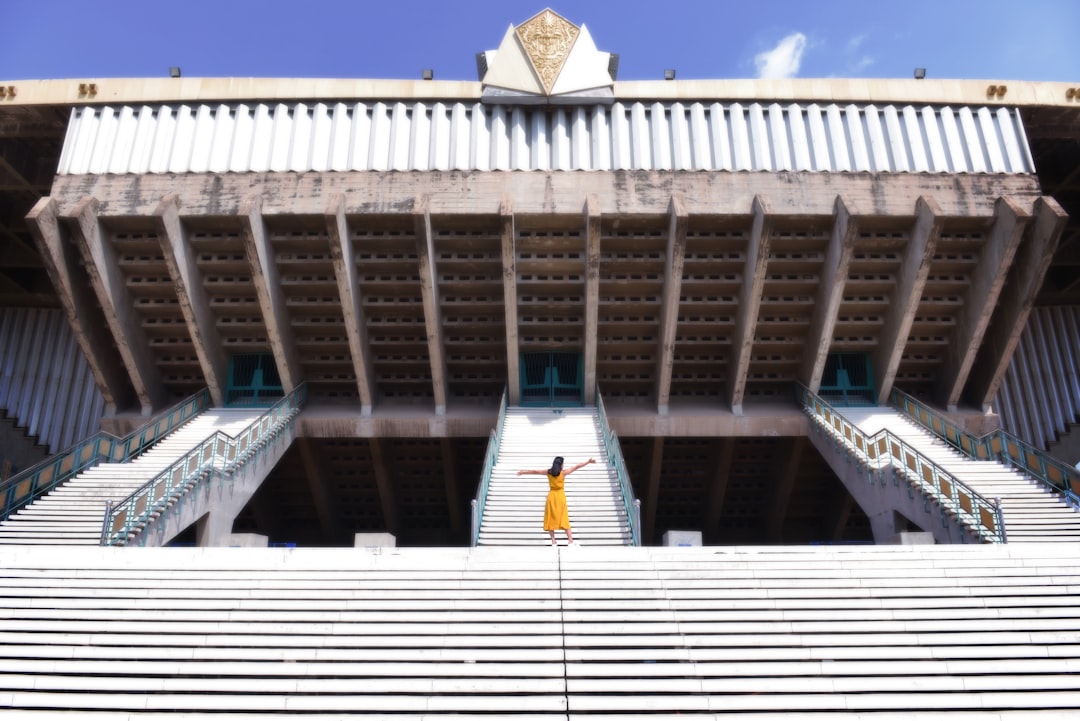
column 246, row 540
column 682, row 538
column 375, row 540
column 912, row 538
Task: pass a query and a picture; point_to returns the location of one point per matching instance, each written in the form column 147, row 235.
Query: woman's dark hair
column 556, row 466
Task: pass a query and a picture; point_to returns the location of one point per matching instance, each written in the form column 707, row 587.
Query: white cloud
column 783, row 60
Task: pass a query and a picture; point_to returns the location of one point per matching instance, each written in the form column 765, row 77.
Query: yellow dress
column 556, row 513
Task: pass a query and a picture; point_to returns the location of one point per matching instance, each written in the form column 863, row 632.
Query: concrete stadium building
column 824, row 333
column 687, row 250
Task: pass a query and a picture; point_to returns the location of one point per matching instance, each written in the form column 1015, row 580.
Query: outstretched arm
column 568, row 471
column 532, row 473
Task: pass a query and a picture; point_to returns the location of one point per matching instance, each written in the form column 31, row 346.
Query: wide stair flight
column 72, row 513
column 1031, row 513
column 513, row 514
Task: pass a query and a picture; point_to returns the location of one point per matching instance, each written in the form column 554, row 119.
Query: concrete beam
column 429, row 290
column 552, row 193
column 63, row 267
column 995, row 258
column 103, row 268
column 787, row 470
column 344, row 260
column 1017, row 299
column 910, row 281
column 454, row 508
column 652, row 492
column 592, row 293
column 669, row 313
column 509, row 271
column 191, row 295
column 264, row 274
column 322, row 495
column 830, row 294
column 387, row 497
column 725, row 458
column 757, row 261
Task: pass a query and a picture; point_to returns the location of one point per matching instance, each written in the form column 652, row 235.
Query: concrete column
column 214, row 528
column 429, row 290
column 58, row 255
column 108, row 282
column 322, row 494
column 1017, row 299
column 725, row 457
column 454, row 508
column 264, row 275
column 652, row 493
column 830, row 294
column 344, row 259
column 910, row 281
column 995, row 258
column 387, row 497
column 509, row 270
column 592, row 293
column 787, row 470
column 836, row 518
column 757, row 261
column 191, row 294
column 669, row 314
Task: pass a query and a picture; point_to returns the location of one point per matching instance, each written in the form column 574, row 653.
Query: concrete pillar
column 59, row 256
column 830, row 294
column 344, row 260
column 109, row 284
column 592, row 294
column 995, row 258
column 264, row 275
column 509, row 270
column 757, row 261
column 669, row 314
column 904, row 303
column 652, row 497
column 429, row 291
column 192, row 297
column 1017, row 299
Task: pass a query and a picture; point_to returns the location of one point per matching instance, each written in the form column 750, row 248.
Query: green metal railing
column 21, row 489
column 883, row 449
column 998, row 446
column 477, row 504
column 217, row 454
column 615, row 458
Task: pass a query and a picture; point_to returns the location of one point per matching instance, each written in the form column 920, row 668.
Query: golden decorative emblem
column 547, row 39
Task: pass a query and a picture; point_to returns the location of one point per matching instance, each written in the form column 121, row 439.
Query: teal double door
column 253, row 380
column 848, row 380
column 552, row 378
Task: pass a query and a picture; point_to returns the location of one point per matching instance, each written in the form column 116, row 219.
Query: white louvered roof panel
column 420, row 136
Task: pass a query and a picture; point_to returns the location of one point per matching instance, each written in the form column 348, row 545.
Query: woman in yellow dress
column 556, row 513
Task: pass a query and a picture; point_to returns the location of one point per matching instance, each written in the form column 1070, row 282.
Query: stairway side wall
column 885, row 494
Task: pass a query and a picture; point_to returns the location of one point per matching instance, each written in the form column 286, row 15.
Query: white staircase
column 849, row 633
column 72, row 513
column 531, row 438
column 1031, row 513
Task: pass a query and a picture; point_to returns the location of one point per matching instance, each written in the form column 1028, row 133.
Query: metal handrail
column 219, row 453
column 885, row 449
column 999, row 445
column 102, row 447
column 476, row 506
column 615, row 458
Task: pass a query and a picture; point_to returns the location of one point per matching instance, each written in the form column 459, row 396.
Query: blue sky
column 989, row 39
